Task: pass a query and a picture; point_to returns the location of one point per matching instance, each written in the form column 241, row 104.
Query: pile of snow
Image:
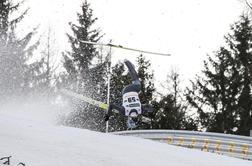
column 36, row 143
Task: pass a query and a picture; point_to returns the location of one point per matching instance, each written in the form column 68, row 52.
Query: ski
column 125, row 48
column 86, row 99
column 96, row 103
column 146, row 120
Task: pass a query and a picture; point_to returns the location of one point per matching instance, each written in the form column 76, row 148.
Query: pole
column 109, row 75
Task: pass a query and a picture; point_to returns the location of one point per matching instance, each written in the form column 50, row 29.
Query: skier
column 131, row 105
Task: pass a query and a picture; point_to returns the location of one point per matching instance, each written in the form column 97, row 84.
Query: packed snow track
column 36, row 143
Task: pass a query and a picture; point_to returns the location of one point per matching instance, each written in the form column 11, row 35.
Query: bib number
column 132, row 105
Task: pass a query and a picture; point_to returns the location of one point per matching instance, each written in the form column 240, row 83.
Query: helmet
column 133, row 113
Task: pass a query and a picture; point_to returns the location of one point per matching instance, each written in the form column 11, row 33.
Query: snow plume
column 82, row 114
column 46, row 110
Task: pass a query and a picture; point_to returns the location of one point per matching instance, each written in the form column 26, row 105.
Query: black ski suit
column 131, row 102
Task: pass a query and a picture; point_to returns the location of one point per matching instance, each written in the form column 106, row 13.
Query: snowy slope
column 36, row 143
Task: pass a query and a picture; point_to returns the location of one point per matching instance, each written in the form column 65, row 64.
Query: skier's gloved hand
column 109, row 112
column 106, row 117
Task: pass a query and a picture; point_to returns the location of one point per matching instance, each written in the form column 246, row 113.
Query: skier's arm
column 112, row 107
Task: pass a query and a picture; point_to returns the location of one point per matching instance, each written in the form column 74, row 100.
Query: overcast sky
column 188, row 29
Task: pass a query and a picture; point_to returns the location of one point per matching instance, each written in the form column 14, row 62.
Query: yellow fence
column 224, row 144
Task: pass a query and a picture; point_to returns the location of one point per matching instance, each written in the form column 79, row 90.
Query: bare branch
column 248, row 4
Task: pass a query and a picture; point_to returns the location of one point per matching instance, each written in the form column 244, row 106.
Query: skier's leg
column 134, row 76
column 132, row 71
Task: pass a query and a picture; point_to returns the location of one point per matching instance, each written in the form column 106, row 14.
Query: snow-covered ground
column 39, row 143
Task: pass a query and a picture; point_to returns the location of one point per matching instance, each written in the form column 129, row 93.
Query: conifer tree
column 169, row 115
column 222, row 96
column 146, row 78
column 119, row 79
column 17, row 77
column 82, row 74
column 146, row 95
column 240, row 43
column 171, row 109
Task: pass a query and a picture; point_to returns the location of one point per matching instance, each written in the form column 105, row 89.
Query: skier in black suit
column 131, row 105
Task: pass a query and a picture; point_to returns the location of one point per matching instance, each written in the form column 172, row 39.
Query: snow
column 39, row 143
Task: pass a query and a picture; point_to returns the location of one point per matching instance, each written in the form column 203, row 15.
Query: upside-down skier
column 131, row 105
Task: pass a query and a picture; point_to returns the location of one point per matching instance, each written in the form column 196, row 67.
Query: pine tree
column 222, row 96
column 82, row 75
column 147, row 80
column 146, row 76
column 240, row 42
column 78, row 61
column 82, row 54
column 16, row 76
column 47, row 77
column 171, row 109
column 119, row 79
column 168, row 115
